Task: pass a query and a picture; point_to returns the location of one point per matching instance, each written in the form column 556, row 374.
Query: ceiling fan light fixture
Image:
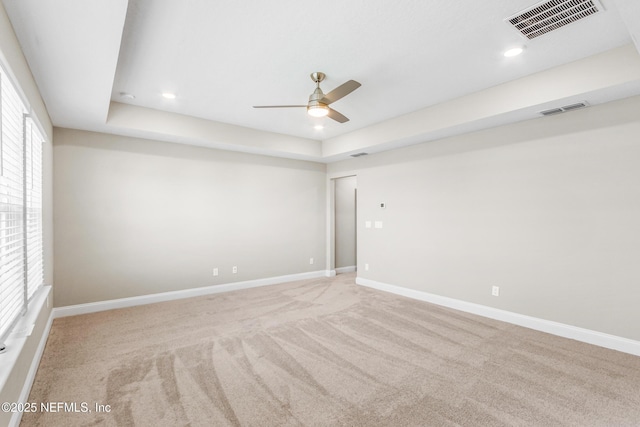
column 318, row 110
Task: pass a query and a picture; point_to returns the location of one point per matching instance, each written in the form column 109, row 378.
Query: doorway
column 345, row 224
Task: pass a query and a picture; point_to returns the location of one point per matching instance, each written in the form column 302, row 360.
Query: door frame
column 331, row 221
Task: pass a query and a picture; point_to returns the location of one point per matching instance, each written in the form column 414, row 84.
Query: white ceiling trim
column 183, row 129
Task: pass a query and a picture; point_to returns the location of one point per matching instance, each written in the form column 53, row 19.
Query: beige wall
column 13, row 59
column 136, row 217
column 546, row 209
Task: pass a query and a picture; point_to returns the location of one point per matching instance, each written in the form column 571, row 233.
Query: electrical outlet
column 310, row 260
column 215, row 271
column 366, row 267
column 235, row 269
column 495, row 291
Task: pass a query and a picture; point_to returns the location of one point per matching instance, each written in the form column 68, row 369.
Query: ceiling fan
column 318, row 105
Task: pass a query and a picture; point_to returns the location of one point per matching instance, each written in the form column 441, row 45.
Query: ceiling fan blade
column 338, row 117
column 340, row 92
column 279, row 106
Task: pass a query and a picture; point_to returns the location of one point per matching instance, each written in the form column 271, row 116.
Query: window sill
column 22, row 333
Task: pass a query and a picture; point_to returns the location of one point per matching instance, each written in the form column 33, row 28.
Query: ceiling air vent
column 564, row 109
column 550, row 15
column 359, row 154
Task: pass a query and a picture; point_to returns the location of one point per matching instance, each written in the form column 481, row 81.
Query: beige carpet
column 325, row 352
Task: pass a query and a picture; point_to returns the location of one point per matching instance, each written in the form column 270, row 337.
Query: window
column 21, row 246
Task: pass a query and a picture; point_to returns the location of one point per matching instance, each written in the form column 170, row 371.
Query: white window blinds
column 33, row 207
column 21, row 258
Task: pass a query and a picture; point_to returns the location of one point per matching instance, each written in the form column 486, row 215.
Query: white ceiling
column 416, row 60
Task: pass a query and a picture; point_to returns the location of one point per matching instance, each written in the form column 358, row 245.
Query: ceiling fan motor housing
column 316, row 108
column 316, row 96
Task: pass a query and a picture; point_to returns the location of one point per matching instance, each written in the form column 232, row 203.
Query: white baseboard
column 349, row 269
column 331, row 273
column 93, row 307
column 613, row 342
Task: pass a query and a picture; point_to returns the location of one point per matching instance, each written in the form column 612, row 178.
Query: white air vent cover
column 550, row 15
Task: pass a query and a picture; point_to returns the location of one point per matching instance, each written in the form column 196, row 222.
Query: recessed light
column 168, row 95
column 127, row 95
column 318, row 127
column 514, row 51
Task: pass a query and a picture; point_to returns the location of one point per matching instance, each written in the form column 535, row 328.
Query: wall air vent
column 359, row 154
column 551, row 112
column 564, row 109
column 574, row 106
column 547, row 16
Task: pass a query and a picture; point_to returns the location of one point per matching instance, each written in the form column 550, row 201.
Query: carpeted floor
column 324, row 352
